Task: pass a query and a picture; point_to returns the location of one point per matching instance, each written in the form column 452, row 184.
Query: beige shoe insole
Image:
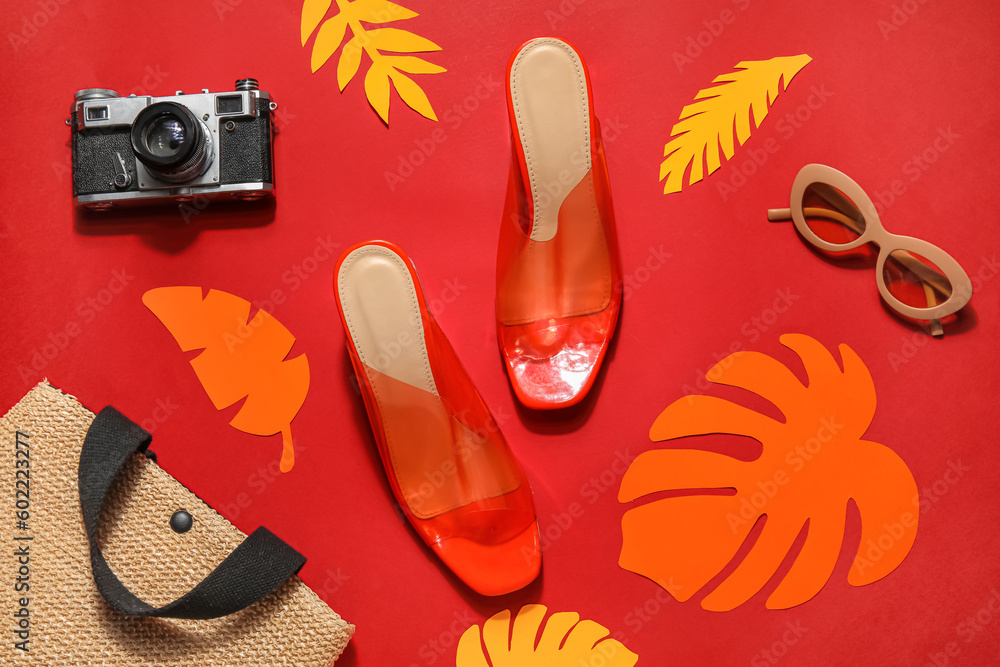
column 382, row 312
column 548, row 89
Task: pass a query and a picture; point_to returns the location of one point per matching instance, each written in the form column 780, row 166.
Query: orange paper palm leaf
column 241, row 358
column 811, row 465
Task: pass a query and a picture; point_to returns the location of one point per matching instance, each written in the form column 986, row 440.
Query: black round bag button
column 181, row 521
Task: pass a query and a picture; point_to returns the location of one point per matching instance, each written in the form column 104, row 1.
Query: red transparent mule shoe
column 447, row 462
column 558, row 271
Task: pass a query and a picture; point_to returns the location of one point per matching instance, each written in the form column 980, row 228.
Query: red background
column 889, row 95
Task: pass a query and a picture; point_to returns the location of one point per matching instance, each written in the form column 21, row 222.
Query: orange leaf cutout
column 241, row 359
column 811, row 464
column 566, row 641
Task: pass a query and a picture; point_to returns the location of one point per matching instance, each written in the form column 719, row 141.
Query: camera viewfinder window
column 228, row 104
column 97, row 113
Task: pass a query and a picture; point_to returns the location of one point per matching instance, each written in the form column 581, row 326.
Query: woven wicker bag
column 51, row 604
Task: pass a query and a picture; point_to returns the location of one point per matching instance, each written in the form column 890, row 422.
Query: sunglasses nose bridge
column 872, row 220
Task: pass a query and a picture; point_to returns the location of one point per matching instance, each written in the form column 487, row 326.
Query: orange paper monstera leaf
column 240, row 358
column 565, row 641
column 810, row 466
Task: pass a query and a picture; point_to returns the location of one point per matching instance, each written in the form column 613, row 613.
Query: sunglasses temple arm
column 936, row 329
column 833, row 196
column 931, row 279
column 926, row 274
column 779, row 214
column 853, row 225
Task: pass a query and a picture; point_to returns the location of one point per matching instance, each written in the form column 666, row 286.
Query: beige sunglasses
column 916, row 278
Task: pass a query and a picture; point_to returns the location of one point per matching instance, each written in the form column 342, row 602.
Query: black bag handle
column 254, row 569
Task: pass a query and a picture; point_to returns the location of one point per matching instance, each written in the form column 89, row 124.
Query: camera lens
column 165, row 137
column 171, row 142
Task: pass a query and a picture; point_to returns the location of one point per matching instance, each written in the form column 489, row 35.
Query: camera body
column 140, row 150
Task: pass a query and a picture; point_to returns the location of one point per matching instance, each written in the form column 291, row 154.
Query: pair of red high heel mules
column 557, row 303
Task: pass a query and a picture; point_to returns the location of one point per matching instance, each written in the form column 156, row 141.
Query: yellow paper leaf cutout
column 565, row 641
column 707, row 125
column 350, row 60
column 313, row 12
column 380, row 11
column 414, row 65
column 378, row 43
column 377, row 89
column 329, row 37
column 400, row 41
column 240, row 358
column 411, row 93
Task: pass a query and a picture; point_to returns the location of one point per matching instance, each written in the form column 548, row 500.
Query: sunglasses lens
column 915, row 280
column 831, row 215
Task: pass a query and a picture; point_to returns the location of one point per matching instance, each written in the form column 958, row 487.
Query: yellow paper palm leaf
column 566, row 641
column 707, row 125
column 386, row 70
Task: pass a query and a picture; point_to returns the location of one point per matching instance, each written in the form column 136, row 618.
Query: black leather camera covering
column 95, row 163
column 246, row 150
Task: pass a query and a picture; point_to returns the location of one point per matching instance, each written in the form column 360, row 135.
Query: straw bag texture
column 51, row 604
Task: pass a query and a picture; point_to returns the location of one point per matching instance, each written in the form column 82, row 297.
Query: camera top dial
column 94, row 94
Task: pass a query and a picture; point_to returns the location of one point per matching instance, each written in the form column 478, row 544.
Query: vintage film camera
column 139, row 150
